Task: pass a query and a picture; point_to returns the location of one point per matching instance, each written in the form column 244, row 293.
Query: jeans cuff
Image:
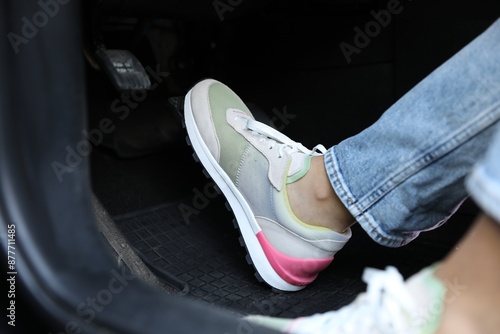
column 364, row 217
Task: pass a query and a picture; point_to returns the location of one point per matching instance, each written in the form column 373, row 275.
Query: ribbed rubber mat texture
column 194, row 240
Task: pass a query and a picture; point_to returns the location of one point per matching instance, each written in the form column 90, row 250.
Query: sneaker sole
column 245, row 218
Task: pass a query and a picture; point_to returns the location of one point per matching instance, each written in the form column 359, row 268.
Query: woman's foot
column 461, row 295
column 472, row 273
column 389, row 306
column 254, row 165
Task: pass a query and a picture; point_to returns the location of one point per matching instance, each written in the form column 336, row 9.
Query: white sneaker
column 252, row 164
column 389, row 306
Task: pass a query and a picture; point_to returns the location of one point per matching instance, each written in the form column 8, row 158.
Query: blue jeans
column 411, row 170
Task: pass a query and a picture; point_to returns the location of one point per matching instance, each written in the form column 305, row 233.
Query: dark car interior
column 98, row 178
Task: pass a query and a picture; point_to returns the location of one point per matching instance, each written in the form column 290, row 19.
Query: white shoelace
column 284, row 144
column 385, row 308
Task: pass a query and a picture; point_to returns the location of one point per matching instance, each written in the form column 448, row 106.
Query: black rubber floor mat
column 194, row 240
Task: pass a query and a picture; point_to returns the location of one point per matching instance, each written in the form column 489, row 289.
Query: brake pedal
column 123, row 69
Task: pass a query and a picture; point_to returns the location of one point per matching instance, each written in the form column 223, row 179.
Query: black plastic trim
column 61, row 262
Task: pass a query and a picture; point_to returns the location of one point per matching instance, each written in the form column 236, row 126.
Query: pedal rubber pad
column 123, row 69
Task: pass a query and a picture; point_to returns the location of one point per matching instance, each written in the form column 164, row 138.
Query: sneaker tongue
column 429, row 296
column 299, row 166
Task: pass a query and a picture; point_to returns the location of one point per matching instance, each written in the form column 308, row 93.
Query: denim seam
column 367, row 222
column 445, row 146
column 360, row 208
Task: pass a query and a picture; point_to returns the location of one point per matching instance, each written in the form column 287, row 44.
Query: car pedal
column 123, row 69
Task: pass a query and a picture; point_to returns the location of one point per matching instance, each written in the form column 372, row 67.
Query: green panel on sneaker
column 231, row 144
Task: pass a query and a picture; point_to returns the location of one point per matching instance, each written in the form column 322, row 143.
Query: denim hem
column 364, row 218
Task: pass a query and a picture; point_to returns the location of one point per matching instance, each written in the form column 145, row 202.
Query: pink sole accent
column 295, row 271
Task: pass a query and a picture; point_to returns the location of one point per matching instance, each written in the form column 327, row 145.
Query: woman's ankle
column 314, row 201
